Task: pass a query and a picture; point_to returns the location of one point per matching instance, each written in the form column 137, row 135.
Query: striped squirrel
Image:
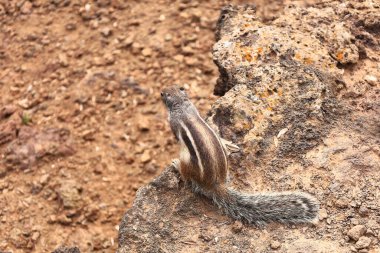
column 203, row 163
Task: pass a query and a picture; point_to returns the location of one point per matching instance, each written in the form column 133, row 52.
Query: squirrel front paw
column 175, row 163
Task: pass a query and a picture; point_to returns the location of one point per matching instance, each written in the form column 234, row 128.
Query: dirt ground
column 82, row 124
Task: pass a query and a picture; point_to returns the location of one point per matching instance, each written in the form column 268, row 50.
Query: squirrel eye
column 181, row 88
column 162, row 94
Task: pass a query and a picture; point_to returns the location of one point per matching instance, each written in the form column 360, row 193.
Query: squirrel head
column 174, row 97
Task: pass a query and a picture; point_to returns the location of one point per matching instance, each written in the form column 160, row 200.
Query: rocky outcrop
column 299, row 101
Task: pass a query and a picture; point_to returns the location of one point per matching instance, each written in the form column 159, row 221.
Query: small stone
column 323, row 214
column 151, row 168
column 24, row 103
column 106, row 32
column 69, row 194
column 237, row 227
column 371, row 80
column 44, row 179
column 7, row 111
column 109, row 59
column 71, row 26
column 62, row 58
column 98, row 61
column 363, row 211
column 356, row 232
column 372, row 224
column 147, row 52
column 63, row 249
column 187, row 50
column 363, row 242
column 145, row 157
column 35, row 236
column 143, row 125
column 168, row 37
column 191, row 61
column 64, row 220
column 342, row 203
column 161, row 17
column 275, row 244
column 26, row 8
column 179, row 57
column 52, row 219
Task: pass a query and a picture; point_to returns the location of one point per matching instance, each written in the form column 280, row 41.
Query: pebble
column 147, row 52
column 371, row 80
column 26, row 8
column 69, row 193
column 35, row 236
column 106, row 32
column 179, row 57
column 168, row 37
column 323, row 214
column 71, row 26
column 64, row 220
column 145, row 157
column 363, row 242
column 363, row 211
column 62, row 58
column 191, row 61
column 356, row 232
column 237, row 227
column 143, row 125
column 275, row 244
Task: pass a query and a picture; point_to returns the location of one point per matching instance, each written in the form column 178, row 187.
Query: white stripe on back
column 200, row 165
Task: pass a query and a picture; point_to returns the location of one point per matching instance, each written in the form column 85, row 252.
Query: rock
column 7, row 111
column 64, row 249
column 237, row 227
column 33, row 145
column 356, row 232
column 371, row 80
column 145, row 157
column 168, row 37
column 109, row 59
column 323, row 214
column 64, row 220
column 35, row 236
column 17, row 239
column 26, row 8
column 273, row 76
column 143, row 124
column 363, row 211
column 275, row 244
column 62, row 58
column 363, row 242
column 70, row 194
column 71, row 26
column 147, row 52
column 106, row 32
column 8, row 131
column 179, row 57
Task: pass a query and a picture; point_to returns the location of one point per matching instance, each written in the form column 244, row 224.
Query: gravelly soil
column 82, row 125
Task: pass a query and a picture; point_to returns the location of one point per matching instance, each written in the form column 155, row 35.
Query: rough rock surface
column 296, row 101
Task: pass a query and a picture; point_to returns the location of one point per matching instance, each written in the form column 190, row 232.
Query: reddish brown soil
column 92, row 74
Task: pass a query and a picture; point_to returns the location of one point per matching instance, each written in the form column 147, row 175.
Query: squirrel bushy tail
column 259, row 209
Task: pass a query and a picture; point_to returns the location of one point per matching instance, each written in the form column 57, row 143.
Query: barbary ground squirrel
column 203, row 163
